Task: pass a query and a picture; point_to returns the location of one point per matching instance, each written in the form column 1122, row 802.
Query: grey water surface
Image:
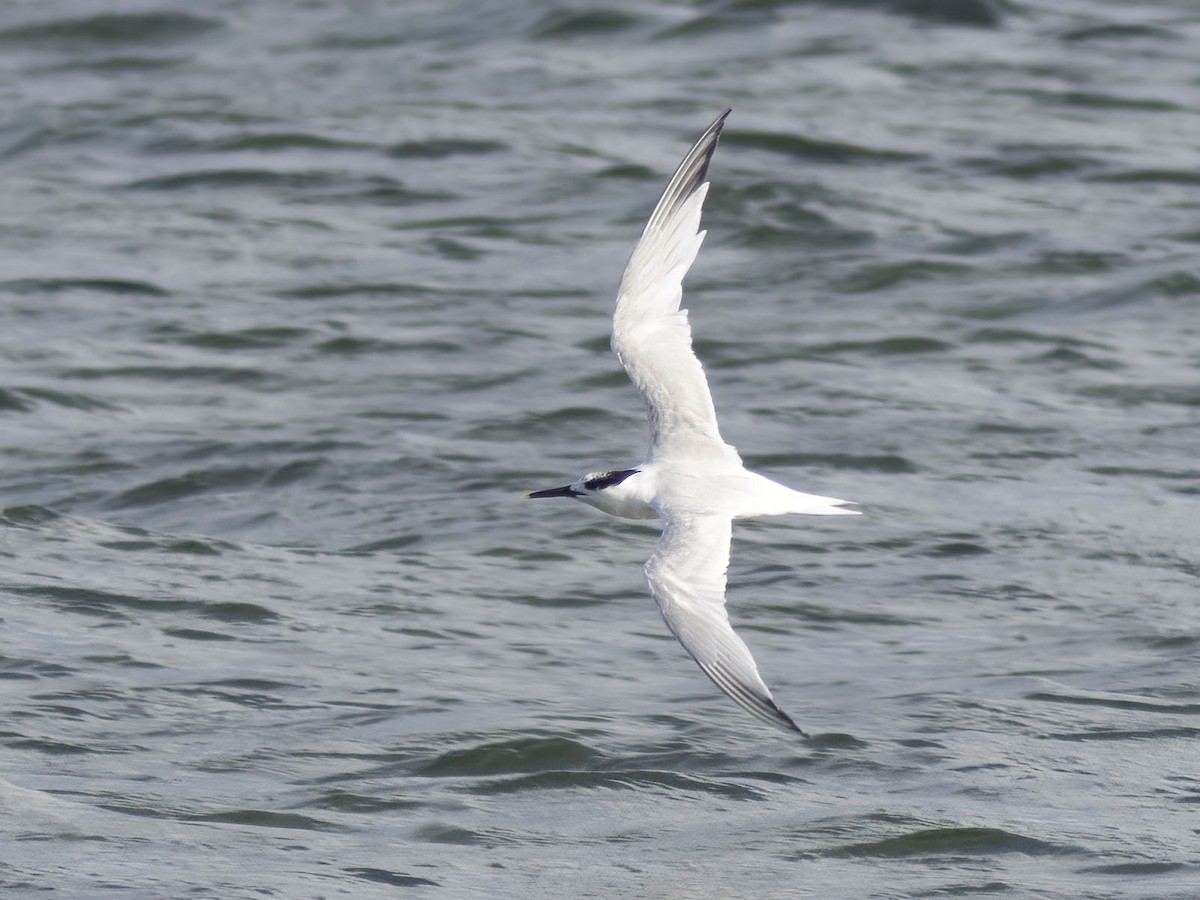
column 297, row 299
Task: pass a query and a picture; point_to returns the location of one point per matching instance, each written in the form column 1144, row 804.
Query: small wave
column 671, row 783
column 261, row 142
column 825, row 615
column 1077, row 262
column 787, row 222
column 1123, row 394
column 109, row 29
column 393, row 879
column 28, row 399
column 309, row 186
column 954, row 545
column 12, row 401
column 951, row 842
column 237, row 611
column 1137, row 734
column 890, row 346
column 1069, row 358
column 630, row 172
column 1117, row 31
column 836, row 740
column 240, row 692
column 368, row 289
column 574, row 601
column 878, row 277
column 1135, row 868
column 109, row 604
column 197, row 481
column 974, row 13
column 118, row 64
column 29, row 516
column 1092, row 100
column 441, row 148
column 197, row 634
column 751, row 13
column 1180, row 177
column 345, row 801
column 219, row 374
column 246, row 339
column 449, row 834
column 262, row 818
column 116, row 537
column 562, row 24
column 216, row 179
column 48, row 746
column 1111, row 701
column 102, row 285
column 1029, row 163
column 571, row 420
column 1020, row 335
column 21, row 668
column 397, row 542
column 816, row 150
column 511, row 757
column 1137, row 471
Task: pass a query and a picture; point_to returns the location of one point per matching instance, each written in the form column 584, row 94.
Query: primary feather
column 686, row 575
column 651, row 334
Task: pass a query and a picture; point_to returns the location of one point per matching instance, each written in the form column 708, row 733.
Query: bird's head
column 610, row 491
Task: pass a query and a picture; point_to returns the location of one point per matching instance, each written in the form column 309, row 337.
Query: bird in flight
column 692, row 481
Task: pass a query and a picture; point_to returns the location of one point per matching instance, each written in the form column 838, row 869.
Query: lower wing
column 686, row 574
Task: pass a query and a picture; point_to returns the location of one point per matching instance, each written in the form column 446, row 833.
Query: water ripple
column 110, row 29
column 299, row 300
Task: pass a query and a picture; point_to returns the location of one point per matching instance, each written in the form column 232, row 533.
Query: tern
column 692, row 481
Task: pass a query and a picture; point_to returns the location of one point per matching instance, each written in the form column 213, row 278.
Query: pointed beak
column 553, row 492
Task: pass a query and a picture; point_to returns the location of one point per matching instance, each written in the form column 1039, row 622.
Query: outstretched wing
column 687, row 579
column 651, row 334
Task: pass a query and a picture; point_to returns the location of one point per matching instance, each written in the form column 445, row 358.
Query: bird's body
column 692, row 481
column 729, row 490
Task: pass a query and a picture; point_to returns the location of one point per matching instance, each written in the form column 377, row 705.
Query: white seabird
column 692, row 481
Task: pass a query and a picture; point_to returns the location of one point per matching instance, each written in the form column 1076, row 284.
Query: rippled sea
column 296, row 299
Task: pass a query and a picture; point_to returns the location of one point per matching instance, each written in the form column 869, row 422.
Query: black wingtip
column 690, row 175
column 784, row 721
column 708, row 141
column 759, row 704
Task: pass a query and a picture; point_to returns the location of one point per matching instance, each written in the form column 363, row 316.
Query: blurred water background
column 296, row 299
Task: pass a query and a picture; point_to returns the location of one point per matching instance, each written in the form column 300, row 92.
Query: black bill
column 553, row 492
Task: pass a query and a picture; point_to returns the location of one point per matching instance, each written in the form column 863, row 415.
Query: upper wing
column 687, row 578
column 651, row 334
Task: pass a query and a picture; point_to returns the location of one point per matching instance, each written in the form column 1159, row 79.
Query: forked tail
column 814, row 505
column 765, row 497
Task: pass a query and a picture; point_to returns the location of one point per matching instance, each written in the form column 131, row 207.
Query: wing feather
column 651, row 334
column 686, row 575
